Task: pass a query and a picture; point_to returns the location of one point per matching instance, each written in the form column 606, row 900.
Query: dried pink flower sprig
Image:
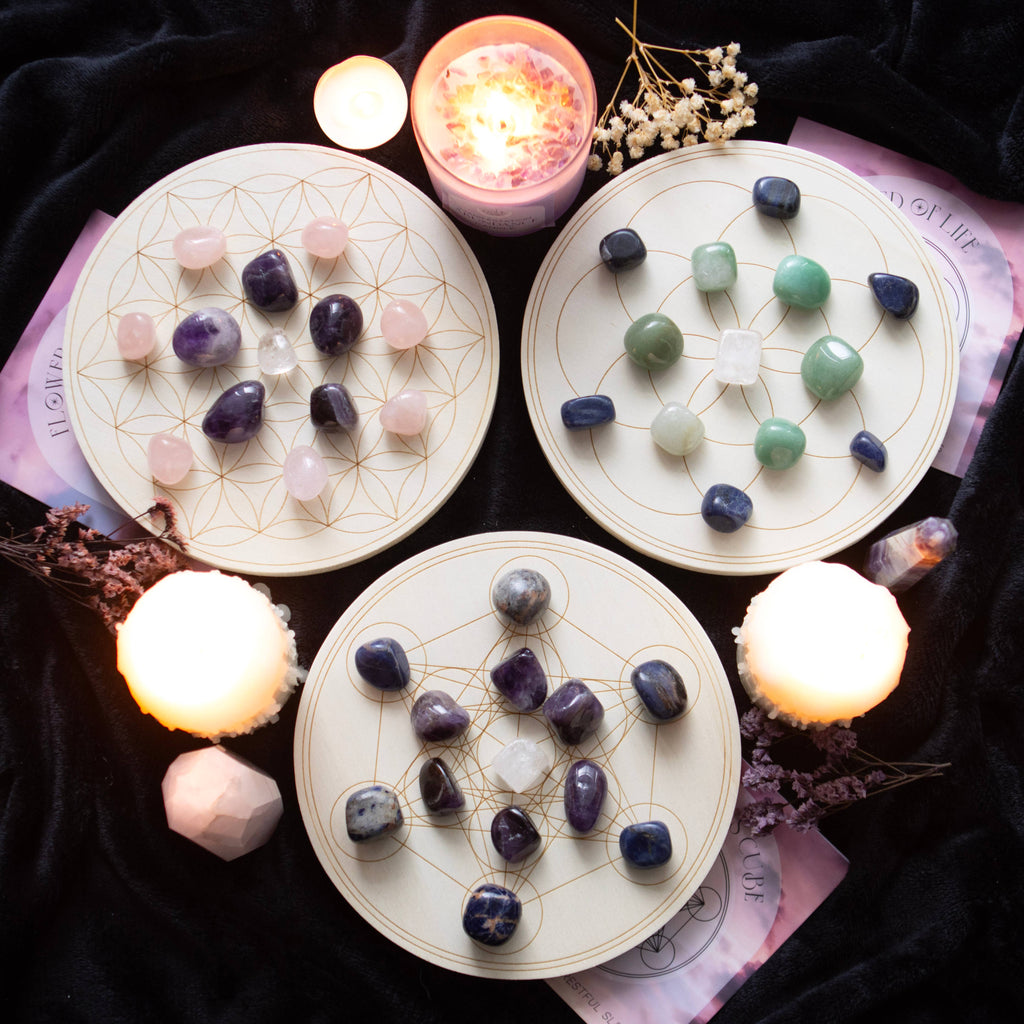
column 103, row 574
column 669, row 110
column 801, row 798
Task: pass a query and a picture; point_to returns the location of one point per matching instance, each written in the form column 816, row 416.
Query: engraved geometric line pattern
column 234, row 507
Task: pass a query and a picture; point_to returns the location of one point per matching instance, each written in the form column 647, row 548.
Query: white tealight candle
column 207, row 653
column 821, row 645
column 361, row 102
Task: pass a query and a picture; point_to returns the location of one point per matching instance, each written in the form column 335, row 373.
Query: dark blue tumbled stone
column 868, row 449
column 522, row 595
column 436, row 717
column 777, row 197
column 521, row 679
column 383, row 663
column 646, row 845
column 331, row 408
column 439, row 788
column 514, row 836
column 371, row 813
column 897, row 295
column 622, row 250
column 587, row 411
column 491, row 914
column 268, row 283
column 661, row 688
column 237, row 415
column 726, row 508
column 335, row 324
column 585, row 787
column 574, row 711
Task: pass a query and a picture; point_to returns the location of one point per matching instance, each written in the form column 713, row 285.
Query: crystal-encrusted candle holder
column 503, row 110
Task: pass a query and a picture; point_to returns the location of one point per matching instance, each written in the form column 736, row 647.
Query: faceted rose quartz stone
column 136, row 335
column 221, row 802
column 305, row 473
column 198, row 247
column 405, row 413
column 170, row 458
column 403, row 324
column 325, row 237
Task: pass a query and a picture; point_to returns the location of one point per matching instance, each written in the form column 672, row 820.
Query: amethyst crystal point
column 440, row 791
column 437, row 717
column 335, row 324
column 268, row 283
column 897, row 295
column 661, row 689
column 522, row 595
column 725, row 508
column 207, row 337
column 646, row 845
column 383, row 663
column 520, row 679
column 514, row 836
column 371, row 813
column 901, row 558
column 869, row 450
column 331, row 408
column 237, row 414
column 585, row 787
column 622, row 250
column 491, row 914
column 574, row 711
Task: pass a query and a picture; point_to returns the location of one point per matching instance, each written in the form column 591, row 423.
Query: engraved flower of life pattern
column 380, row 485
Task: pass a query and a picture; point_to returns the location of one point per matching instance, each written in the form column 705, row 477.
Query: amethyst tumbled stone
column 439, row 788
column 514, row 835
column 574, row 711
column 585, row 787
column 647, row 844
column 335, row 324
column 522, row 595
column 521, row 679
column 331, row 408
column 436, row 717
column 661, row 688
column 207, row 337
column 237, row 415
column 491, row 914
column 268, row 283
column 383, row 663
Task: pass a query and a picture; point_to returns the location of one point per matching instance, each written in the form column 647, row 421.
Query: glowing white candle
column 821, row 645
column 207, row 653
column 361, row 102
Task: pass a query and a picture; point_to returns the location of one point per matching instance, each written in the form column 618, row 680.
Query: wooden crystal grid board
column 578, row 313
column 235, row 511
column 582, row 904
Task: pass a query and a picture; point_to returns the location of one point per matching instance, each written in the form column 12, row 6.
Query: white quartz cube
column 739, row 356
column 521, row 765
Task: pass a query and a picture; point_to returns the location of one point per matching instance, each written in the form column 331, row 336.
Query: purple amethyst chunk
column 331, row 408
column 585, row 787
column 514, row 836
column 207, row 337
column 437, row 717
column 335, row 324
column 520, row 678
column 574, row 711
column 237, row 414
column 268, row 283
column 438, row 787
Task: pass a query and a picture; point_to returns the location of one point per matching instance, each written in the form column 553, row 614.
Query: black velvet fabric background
column 106, row 916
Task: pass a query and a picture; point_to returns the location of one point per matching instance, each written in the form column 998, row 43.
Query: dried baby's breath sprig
column 672, row 111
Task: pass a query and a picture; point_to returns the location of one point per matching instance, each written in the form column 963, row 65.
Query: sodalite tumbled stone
column 521, row 680
column 647, row 844
column 676, row 429
column 714, row 266
column 439, row 788
column 207, row 337
column 897, row 295
column 574, row 711
column 622, row 250
column 268, row 283
column 776, row 197
column 436, row 717
column 653, row 341
column 335, row 323
column 869, row 450
column 779, row 443
column 830, row 367
column 587, row 411
column 491, row 914
column 661, row 688
column 383, row 663
column 513, row 834
column 331, row 408
column 725, row 508
column 801, row 282
column 371, row 813
column 237, row 414
column 583, row 797
column 521, row 595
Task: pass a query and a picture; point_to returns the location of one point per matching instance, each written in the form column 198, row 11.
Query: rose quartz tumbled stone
column 405, row 413
column 305, row 473
column 403, row 324
column 136, row 335
column 325, row 237
column 170, row 458
column 199, row 246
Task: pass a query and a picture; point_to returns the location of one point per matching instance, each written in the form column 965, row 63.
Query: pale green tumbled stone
column 714, row 266
column 676, row 429
column 830, row 367
column 653, row 341
column 779, row 443
column 801, row 282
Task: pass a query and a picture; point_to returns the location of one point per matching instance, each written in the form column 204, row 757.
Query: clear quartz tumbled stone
column 521, row 765
column 738, row 360
column 275, row 353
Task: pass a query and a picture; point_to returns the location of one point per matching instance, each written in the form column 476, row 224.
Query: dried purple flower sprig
column 800, row 798
column 103, row 574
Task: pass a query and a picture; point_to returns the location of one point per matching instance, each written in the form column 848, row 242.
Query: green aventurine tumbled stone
column 714, row 266
column 830, row 367
column 801, row 282
column 779, row 443
column 653, row 341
